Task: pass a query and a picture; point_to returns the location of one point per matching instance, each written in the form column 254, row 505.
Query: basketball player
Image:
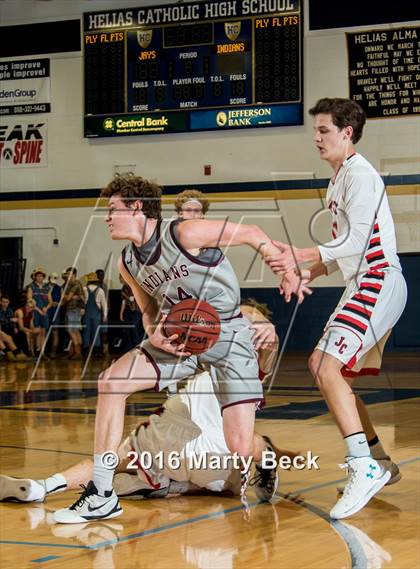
column 191, row 204
column 161, row 272
column 364, row 249
column 189, row 425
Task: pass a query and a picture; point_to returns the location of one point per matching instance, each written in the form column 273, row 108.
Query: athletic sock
column 36, row 492
column 53, row 484
column 357, row 445
column 377, row 450
column 102, row 477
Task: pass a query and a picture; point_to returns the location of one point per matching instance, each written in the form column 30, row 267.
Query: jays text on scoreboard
column 193, row 66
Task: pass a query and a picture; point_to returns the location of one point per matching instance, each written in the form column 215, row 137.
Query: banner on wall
column 23, row 143
column 25, row 87
column 384, row 71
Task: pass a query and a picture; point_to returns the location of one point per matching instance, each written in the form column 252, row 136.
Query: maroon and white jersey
column 362, row 225
column 169, row 273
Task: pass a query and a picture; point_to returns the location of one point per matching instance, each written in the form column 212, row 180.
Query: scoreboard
column 193, row 66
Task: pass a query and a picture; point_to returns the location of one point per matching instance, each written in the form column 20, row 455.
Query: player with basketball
column 364, row 248
column 189, row 424
column 161, row 272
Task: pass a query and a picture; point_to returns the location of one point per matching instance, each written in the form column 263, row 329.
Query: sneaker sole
column 84, row 520
column 15, row 490
column 379, row 484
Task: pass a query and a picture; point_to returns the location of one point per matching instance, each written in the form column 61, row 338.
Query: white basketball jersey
column 362, row 225
column 189, row 425
column 169, row 273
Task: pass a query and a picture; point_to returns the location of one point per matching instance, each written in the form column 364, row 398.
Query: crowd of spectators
column 67, row 319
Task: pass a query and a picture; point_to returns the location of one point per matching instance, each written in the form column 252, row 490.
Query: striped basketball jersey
column 169, row 273
column 362, row 225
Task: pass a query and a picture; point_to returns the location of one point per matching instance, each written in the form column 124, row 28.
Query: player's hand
column 167, row 343
column 264, row 336
column 286, row 260
column 294, row 283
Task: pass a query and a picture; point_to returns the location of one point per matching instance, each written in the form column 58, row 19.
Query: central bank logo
column 144, row 38
column 232, row 30
column 109, row 124
column 221, row 119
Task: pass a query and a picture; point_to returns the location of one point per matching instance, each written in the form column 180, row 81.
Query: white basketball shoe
column 365, row 478
column 91, row 506
column 387, row 464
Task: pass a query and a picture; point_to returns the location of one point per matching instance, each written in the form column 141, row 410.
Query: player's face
column 331, row 142
column 191, row 212
column 120, row 218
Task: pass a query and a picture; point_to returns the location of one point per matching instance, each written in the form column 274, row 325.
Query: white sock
column 55, row 483
column 36, row 491
column 357, row 445
column 102, row 477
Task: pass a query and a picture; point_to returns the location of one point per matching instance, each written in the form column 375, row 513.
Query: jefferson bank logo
column 109, row 124
column 221, row 119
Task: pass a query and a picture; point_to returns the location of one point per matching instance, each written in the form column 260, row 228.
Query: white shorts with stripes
column 357, row 330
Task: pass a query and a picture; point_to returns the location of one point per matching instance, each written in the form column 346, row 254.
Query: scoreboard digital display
column 193, row 66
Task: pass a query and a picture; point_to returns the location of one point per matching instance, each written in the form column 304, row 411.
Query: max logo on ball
column 197, row 324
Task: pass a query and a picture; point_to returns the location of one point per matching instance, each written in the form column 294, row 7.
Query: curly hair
column 188, row 195
column 132, row 188
column 344, row 112
column 260, row 306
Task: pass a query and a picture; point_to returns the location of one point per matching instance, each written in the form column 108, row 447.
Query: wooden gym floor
column 48, row 428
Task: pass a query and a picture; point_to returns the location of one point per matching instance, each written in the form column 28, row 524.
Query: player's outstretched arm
column 203, row 233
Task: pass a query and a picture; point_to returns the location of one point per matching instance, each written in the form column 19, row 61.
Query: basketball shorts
column 233, row 363
column 357, row 330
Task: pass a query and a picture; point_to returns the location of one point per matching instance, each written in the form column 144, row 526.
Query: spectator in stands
column 104, row 329
column 25, row 327
column 96, row 313
column 6, row 315
column 9, row 348
column 130, row 314
column 54, row 312
column 100, row 273
column 40, row 293
column 74, row 303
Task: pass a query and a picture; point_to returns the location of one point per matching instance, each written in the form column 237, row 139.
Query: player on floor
column 364, row 248
column 188, row 425
column 161, row 272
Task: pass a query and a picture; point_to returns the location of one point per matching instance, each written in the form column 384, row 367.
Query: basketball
column 197, row 324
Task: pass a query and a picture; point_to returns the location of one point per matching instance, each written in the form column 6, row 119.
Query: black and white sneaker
column 265, row 480
column 21, row 490
column 91, row 506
